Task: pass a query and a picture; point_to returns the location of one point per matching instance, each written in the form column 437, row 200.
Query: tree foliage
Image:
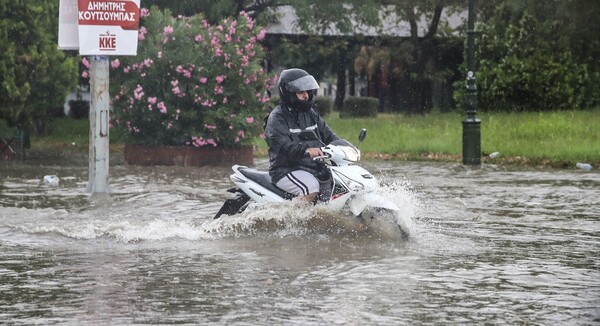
column 312, row 14
column 214, row 11
column 530, row 59
column 412, row 64
column 517, row 77
column 34, row 74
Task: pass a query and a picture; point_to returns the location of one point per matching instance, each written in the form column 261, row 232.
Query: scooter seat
column 264, row 179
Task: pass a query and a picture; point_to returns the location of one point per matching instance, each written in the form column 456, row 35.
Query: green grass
column 391, row 133
column 558, row 138
column 65, row 133
column 388, row 133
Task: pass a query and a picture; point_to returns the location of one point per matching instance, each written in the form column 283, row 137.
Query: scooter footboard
column 233, row 205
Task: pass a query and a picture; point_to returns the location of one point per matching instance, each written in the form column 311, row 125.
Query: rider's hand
column 314, row 152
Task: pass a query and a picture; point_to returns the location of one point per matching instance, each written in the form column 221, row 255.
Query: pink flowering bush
column 191, row 83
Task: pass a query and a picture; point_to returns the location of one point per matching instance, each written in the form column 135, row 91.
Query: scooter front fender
column 359, row 202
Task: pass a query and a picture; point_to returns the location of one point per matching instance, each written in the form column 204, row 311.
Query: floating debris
column 51, row 180
column 494, row 155
column 583, row 166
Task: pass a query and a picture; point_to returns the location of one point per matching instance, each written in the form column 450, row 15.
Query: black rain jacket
column 286, row 151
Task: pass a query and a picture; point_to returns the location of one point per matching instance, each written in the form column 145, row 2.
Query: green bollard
column 471, row 141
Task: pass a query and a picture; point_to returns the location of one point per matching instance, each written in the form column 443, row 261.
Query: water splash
column 295, row 219
column 140, row 211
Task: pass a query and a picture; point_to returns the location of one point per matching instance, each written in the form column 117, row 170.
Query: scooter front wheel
column 386, row 223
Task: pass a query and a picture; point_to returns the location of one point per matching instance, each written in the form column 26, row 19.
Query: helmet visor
column 305, row 83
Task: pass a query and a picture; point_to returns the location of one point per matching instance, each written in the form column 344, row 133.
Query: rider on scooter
column 292, row 167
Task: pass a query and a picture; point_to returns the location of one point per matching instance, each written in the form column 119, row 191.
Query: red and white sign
column 108, row 27
column 104, row 27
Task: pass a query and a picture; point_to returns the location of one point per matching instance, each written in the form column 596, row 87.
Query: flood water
column 489, row 246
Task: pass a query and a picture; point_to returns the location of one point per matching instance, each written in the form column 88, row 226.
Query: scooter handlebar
column 322, row 157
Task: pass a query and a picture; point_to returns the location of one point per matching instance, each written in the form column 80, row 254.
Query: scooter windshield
column 352, row 153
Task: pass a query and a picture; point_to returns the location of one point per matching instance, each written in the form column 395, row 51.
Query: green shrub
column 79, row 109
column 192, row 83
column 35, row 75
column 323, row 105
column 273, row 102
column 355, row 106
column 521, row 68
column 55, row 112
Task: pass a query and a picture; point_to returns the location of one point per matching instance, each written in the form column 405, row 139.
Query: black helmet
column 296, row 80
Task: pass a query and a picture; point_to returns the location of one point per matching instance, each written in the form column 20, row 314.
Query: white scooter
column 346, row 186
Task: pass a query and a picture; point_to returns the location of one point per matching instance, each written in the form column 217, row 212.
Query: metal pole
column 99, row 106
column 471, row 125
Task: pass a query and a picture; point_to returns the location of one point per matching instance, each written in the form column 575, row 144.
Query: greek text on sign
column 108, row 27
column 120, row 13
column 115, row 13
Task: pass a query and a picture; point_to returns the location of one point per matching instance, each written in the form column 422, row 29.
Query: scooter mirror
column 362, row 135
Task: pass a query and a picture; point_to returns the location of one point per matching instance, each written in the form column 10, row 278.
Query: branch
column 412, row 20
column 437, row 13
column 256, row 7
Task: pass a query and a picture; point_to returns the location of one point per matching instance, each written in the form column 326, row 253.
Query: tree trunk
column 422, row 51
column 352, row 81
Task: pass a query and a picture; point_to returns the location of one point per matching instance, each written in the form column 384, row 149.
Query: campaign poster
column 108, row 27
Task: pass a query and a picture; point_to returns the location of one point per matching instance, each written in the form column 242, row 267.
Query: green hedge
column 355, row 106
column 80, row 109
column 323, row 104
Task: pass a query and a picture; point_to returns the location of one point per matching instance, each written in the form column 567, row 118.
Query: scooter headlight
column 352, row 153
column 354, row 186
column 350, row 183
